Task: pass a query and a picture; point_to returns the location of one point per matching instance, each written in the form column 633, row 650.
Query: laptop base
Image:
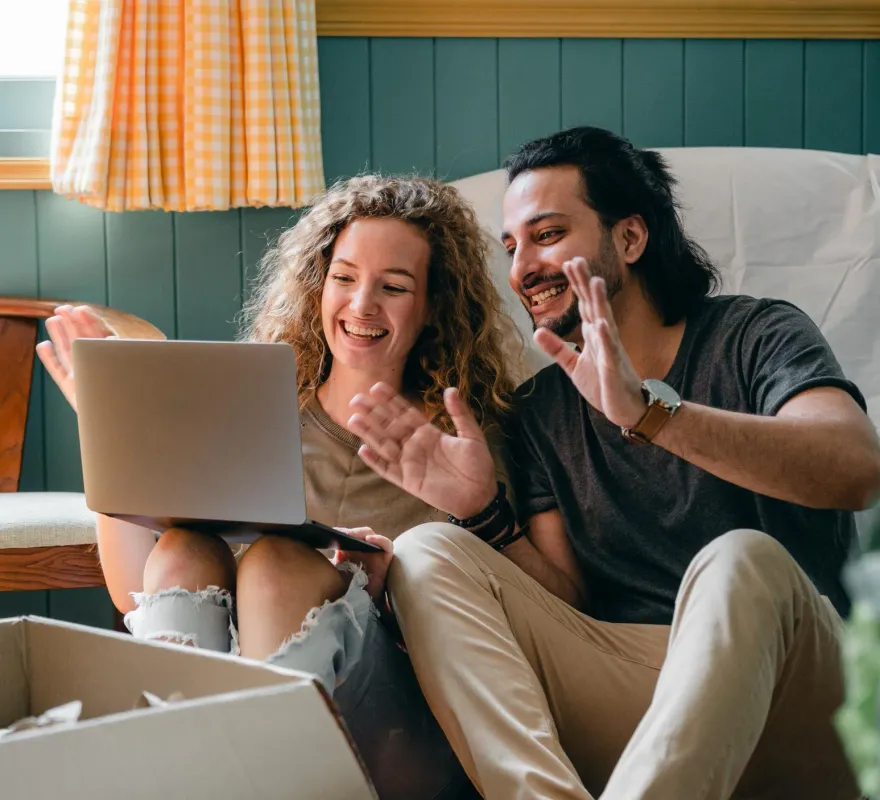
column 309, row 532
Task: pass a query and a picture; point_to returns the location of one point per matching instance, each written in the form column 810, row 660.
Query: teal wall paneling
column 260, row 229
column 653, row 92
column 871, row 98
column 774, row 93
column 344, row 75
column 592, row 83
column 207, row 252
column 466, row 106
column 449, row 107
column 713, row 92
column 833, row 77
column 140, row 266
column 402, row 105
column 529, row 90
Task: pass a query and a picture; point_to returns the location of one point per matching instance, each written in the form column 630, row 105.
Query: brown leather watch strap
column 654, row 418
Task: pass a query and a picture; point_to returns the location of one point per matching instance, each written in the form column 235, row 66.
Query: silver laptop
column 202, row 435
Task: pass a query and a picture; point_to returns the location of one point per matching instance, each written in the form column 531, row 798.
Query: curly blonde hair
column 466, row 340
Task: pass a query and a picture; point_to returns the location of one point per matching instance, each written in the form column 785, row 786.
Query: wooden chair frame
column 36, row 568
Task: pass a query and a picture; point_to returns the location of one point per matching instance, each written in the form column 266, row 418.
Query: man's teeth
column 357, row 330
column 543, row 297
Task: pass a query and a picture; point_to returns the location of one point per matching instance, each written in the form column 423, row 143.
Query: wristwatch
column 663, row 401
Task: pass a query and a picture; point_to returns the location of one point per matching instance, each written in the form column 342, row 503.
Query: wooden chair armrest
column 126, row 326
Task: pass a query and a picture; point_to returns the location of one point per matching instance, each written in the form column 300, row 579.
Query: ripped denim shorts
column 344, row 644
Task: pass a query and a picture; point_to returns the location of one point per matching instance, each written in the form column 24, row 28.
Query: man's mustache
column 536, row 280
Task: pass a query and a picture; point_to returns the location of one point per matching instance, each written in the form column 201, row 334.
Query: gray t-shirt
column 636, row 514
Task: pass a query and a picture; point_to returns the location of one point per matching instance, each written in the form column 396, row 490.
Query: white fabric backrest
column 798, row 225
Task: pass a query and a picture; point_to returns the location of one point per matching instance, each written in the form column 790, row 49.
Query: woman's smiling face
column 373, row 306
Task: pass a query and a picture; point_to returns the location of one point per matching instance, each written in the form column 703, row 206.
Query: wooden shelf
column 24, row 173
column 726, row 19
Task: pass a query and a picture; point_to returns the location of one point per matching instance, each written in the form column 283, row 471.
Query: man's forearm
column 815, row 462
column 530, row 560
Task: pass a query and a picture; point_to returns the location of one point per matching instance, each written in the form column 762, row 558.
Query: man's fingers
column 601, row 304
column 466, row 425
column 578, row 277
column 554, row 347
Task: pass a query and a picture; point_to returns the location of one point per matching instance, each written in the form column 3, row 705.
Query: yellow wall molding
column 24, row 173
column 729, row 19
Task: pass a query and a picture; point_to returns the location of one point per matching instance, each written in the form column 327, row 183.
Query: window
column 32, row 38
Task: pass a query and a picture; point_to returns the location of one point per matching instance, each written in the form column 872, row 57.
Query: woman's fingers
column 375, row 436
column 87, row 323
column 390, row 471
column 384, row 421
column 466, row 425
column 49, row 357
column 60, row 336
column 380, row 541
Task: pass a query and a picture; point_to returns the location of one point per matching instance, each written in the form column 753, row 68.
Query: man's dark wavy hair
column 621, row 181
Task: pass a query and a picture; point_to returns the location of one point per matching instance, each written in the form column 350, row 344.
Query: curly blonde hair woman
column 461, row 343
column 382, row 280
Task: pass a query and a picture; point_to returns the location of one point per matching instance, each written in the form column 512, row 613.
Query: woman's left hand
column 374, row 564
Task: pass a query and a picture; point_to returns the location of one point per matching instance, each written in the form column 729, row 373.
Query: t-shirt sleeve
column 501, row 455
column 784, row 354
column 531, row 481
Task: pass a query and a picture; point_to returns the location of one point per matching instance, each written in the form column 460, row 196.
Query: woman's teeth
column 369, row 333
column 543, row 297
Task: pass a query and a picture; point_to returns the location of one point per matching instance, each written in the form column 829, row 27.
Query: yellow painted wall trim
column 24, row 173
column 729, row 19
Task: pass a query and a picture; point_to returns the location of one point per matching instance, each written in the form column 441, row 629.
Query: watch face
column 663, row 392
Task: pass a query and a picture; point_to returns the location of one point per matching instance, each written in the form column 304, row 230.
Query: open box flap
column 281, row 741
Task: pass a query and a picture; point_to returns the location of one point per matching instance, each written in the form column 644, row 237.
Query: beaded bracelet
column 486, row 514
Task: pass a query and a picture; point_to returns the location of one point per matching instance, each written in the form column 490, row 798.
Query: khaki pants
column 735, row 699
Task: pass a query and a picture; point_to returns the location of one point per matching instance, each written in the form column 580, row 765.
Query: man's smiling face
column 546, row 223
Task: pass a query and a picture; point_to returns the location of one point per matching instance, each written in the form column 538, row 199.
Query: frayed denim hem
column 331, row 640
column 329, row 643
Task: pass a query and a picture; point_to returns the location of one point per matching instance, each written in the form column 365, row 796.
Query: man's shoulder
column 739, row 315
column 743, row 307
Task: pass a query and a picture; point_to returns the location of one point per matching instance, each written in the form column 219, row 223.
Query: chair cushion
column 45, row 519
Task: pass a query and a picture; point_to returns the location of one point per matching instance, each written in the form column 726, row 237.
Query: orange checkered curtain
column 188, row 105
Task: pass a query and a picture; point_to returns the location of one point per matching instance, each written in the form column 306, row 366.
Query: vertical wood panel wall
column 449, row 107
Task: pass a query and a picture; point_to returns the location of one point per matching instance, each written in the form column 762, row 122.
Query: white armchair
column 798, row 225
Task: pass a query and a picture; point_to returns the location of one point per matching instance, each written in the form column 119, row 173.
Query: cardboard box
column 243, row 729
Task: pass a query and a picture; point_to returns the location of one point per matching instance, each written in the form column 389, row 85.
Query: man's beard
column 603, row 266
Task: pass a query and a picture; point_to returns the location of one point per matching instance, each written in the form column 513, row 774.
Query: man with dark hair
column 660, row 622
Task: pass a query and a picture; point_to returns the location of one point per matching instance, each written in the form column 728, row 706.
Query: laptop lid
column 184, row 430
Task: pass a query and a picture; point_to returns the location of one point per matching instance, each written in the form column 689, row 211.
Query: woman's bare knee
column 190, row 560
column 279, row 582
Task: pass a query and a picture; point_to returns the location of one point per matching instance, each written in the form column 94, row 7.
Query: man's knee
column 428, row 549
column 746, row 545
column 748, row 559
